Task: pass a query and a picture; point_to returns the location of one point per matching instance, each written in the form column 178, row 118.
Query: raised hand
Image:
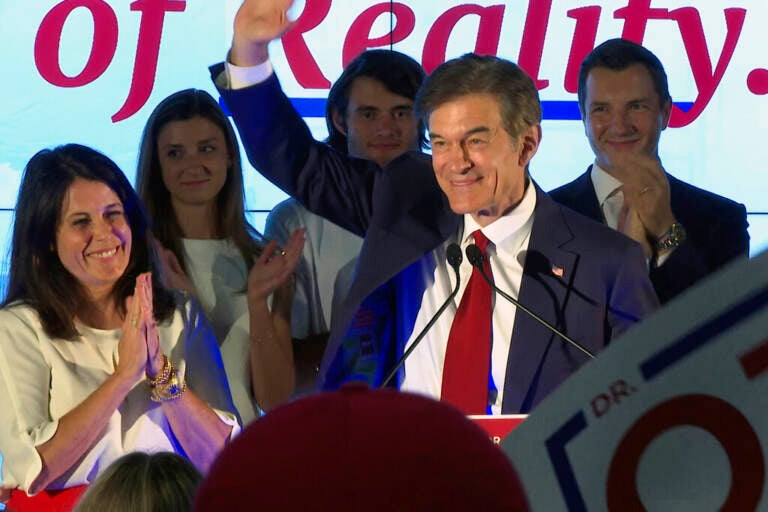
column 258, row 22
column 275, row 266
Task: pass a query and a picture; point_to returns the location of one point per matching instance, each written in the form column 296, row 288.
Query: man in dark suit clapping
column 686, row 232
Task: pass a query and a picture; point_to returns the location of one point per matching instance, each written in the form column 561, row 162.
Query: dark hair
column 514, row 90
column 230, row 221
column 37, row 277
column 142, row 482
column 619, row 54
column 399, row 73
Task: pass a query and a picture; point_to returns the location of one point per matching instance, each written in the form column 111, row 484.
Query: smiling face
column 93, row 238
column 478, row 165
column 379, row 124
column 193, row 160
column 623, row 114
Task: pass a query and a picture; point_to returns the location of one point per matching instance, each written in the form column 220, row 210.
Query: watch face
column 674, row 236
column 677, row 233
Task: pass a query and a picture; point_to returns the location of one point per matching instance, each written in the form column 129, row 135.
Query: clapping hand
column 131, row 349
column 172, row 275
column 139, row 347
column 646, row 193
column 275, row 266
column 148, row 325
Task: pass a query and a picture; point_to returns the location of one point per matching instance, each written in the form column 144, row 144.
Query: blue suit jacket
column 403, row 215
column 716, row 229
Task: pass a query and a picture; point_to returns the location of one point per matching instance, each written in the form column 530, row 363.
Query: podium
column 498, row 426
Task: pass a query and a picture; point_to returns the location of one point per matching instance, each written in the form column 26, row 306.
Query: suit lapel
column 546, row 263
column 584, row 199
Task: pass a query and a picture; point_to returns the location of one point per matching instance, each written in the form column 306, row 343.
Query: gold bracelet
column 169, row 391
column 162, row 377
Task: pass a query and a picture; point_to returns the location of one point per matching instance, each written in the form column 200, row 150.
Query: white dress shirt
column 608, row 197
column 610, row 201
column 509, row 236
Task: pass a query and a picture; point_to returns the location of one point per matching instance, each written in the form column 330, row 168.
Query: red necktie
column 468, row 355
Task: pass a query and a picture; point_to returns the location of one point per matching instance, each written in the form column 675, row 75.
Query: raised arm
column 278, row 142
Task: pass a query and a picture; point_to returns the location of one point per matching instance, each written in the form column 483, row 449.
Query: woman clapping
column 96, row 359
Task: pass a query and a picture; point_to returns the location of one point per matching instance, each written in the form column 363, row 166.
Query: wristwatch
column 671, row 238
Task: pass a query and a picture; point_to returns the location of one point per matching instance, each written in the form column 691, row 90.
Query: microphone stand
column 475, row 257
column 454, row 257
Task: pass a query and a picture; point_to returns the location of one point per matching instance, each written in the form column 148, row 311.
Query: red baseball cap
column 362, row 449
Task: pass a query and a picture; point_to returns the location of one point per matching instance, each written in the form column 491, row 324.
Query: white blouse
column 218, row 271
column 41, row 379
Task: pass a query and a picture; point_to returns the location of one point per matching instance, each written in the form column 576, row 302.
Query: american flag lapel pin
column 557, row 271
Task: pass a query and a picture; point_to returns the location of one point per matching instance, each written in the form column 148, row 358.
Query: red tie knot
column 480, row 240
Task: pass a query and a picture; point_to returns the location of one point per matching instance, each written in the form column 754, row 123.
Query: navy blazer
column 403, row 215
column 716, row 229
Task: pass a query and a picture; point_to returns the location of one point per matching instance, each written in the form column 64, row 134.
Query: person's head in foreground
column 358, row 449
column 143, row 482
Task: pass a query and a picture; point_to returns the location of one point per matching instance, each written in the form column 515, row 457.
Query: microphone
column 475, row 257
column 454, row 257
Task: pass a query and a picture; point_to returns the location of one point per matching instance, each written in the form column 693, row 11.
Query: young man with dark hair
column 369, row 115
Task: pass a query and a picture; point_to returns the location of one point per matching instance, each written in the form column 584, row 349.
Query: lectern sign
column 671, row 417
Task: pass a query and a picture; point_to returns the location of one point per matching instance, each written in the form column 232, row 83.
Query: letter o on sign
column 726, row 423
column 48, row 40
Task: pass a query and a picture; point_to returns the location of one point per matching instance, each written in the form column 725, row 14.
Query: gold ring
column 646, row 189
column 282, row 252
column 134, row 321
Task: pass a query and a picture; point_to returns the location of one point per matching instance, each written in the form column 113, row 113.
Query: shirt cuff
column 664, row 257
column 230, row 420
column 241, row 77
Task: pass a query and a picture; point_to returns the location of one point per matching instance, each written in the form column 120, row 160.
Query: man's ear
column 529, row 144
column 666, row 112
column 338, row 122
